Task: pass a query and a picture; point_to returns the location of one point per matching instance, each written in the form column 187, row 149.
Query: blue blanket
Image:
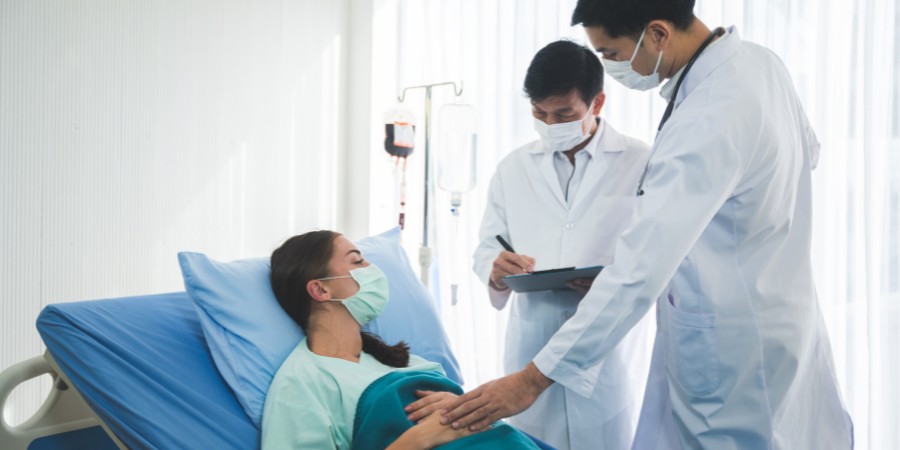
column 380, row 418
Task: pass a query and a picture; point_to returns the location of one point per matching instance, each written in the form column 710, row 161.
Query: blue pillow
column 249, row 335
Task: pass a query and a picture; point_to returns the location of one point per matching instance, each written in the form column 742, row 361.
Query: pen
column 505, row 244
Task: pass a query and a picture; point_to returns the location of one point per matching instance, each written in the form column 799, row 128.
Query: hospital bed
column 128, row 373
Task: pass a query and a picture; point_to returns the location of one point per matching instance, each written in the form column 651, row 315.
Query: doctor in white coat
column 721, row 245
column 563, row 201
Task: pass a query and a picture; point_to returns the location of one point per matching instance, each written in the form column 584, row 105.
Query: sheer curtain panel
column 844, row 57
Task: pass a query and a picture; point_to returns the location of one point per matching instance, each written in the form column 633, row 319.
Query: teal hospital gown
column 311, row 403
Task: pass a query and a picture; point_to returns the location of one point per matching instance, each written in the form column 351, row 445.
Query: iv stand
column 425, row 254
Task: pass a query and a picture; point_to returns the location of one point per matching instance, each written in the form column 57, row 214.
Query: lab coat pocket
column 692, row 350
column 524, row 339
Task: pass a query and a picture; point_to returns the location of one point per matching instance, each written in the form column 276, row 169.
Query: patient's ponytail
column 389, row 355
column 304, row 258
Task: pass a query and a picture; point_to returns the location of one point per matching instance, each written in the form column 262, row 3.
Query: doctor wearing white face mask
column 563, row 201
column 720, row 244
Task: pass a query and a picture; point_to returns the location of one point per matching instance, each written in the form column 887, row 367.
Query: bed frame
column 63, row 422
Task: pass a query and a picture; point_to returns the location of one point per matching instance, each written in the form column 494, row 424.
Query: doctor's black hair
column 304, row 258
column 559, row 68
column 629, row 17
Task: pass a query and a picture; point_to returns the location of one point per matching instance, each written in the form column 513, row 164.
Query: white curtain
column 844, row 57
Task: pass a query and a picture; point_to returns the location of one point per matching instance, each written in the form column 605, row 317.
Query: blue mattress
column 143, row 366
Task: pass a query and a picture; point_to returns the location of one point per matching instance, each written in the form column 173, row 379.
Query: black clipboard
column 546, row 280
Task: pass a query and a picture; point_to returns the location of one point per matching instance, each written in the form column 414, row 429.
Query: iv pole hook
column 458, row 92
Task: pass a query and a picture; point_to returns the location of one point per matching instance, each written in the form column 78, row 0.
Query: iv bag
column 457, row 141
column 399, row 131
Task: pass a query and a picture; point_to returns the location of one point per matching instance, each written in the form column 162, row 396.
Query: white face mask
column 563, row 136
column 372, row 297
column 622, row 72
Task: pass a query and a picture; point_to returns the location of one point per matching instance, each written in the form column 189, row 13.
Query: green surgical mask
column 372, row 297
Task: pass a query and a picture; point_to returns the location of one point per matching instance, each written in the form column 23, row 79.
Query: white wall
column 130, row 131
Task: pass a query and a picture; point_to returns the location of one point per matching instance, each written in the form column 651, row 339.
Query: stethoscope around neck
column 671, row 107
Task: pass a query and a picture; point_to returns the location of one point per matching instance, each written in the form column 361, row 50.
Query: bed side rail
column 63, row 413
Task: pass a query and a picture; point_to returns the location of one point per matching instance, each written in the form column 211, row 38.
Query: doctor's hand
column 495, row 400
column 582, row 285
column 429, row 402
column 509, row 263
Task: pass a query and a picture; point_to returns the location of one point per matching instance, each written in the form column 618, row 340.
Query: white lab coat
column 527, row 207
column 721, row 243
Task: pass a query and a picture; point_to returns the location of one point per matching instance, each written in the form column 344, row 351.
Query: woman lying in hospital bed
column 340, row 382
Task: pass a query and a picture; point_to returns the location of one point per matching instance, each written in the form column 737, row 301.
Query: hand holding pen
column 509, row 263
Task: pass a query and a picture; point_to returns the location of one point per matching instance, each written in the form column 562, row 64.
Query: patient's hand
column 437, row 434
column 429, row 402
column 430, row 433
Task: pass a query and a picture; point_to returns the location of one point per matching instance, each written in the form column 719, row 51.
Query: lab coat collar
column 549, row 173
column 608, row 139
column 669, row 87
column 600, row 141
column 708, row 61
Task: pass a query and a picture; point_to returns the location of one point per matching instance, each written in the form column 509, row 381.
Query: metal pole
column 427, row 161
column 426, row 256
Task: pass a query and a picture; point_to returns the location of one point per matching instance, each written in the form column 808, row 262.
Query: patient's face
column 346, row 257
